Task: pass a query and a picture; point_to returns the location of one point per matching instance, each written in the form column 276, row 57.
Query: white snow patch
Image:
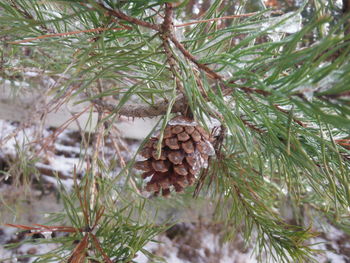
column 31, row 74
column 333, row 233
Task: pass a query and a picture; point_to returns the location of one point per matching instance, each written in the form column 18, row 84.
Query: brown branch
column 144, row 111
column 99, row 248
column 192, row 58
column 167, row 26
column 130, row 19
column 173, row 65
column 335, row 96
column 253, row 90
column 287, row 112
column 252, row 126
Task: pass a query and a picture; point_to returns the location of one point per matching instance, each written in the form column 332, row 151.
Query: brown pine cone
column 185, row 150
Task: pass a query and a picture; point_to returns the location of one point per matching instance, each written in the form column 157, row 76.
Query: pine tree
column 271, row 88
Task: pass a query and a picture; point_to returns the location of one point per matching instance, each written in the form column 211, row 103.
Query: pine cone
column 185, row 150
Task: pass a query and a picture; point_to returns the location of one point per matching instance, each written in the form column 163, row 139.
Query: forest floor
column 193, row 241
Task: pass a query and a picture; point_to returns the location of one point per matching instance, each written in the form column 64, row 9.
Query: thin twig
column 114, row 136
column 252, row 126
column 253, row 90
column 287, row 112
column 98, row 144
column 212, row 74
column 52, row 137
column 345, row 94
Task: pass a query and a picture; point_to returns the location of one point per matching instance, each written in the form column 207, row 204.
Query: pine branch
column 130, row 19
column 167, row 32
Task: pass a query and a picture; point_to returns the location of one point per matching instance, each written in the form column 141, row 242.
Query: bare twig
column 52, row 137
column 114, row 136
column 97, row 146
